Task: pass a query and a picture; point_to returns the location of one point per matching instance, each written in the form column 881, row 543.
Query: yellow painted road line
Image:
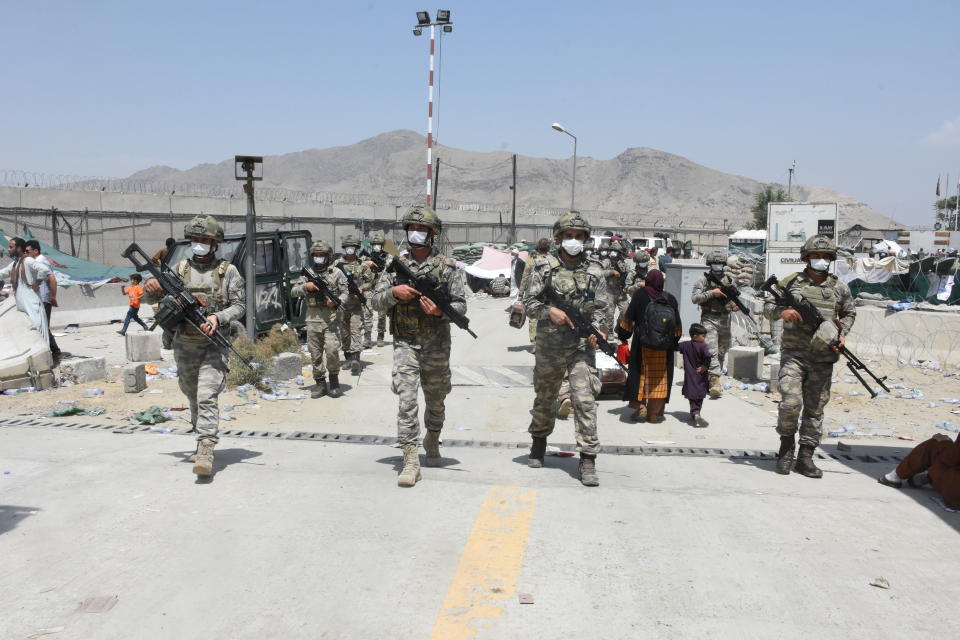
column 486, row 578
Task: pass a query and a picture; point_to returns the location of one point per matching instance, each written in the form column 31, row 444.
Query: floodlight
column 447, row 28
column 443, row 15
column 417, row 32
column 558, row 127
column 423, row 17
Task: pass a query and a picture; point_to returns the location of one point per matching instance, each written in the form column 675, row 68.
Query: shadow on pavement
column 222, row 458
column 569, row 464
column 623, row 414
column 397, row 463
column 11, row 515
column 871, row 461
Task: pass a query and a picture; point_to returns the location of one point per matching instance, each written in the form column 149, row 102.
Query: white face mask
column 819, row 264
column 417, row 238
column 716, row 267
column 319, row 260
column 199, row 249
column 604, row 253
column 572, row 246
column 350, row 251
column 378, row 247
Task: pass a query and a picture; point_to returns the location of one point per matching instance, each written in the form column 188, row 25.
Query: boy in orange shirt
column 134, row 292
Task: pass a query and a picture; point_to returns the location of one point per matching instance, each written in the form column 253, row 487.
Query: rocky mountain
column 639, row 184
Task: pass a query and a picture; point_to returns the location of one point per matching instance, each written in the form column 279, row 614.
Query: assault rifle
column 812, row 317
column 379, row 260
column 432, row 290
column 728, row 290
column 581, row 323
column 322, row 287
column 352, row 285
column 178, row 305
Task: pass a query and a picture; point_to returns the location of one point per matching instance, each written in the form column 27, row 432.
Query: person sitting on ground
column 500, row 286
column 135, row 293
column 696, row 360
column 935, row 462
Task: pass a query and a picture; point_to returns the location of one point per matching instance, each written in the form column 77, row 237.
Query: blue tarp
column 74, row 269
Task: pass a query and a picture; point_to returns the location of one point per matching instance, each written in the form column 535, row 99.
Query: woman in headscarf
column 650, row 376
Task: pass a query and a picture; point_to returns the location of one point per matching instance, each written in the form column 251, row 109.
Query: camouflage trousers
column 368, row 321
column 556, row 358
column 718, row 339
column 804, row 388
column 422, row 361
column 324, row 342
column 202, row 375
column 351, row 327
column 532, row 330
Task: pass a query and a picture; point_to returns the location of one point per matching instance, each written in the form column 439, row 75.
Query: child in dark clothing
column 696, row 360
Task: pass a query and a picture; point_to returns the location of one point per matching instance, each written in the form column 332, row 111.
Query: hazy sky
column 863, row 95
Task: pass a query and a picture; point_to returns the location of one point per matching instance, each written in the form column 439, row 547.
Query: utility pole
column 513, row 208
column 246, row 165
column 790, row 178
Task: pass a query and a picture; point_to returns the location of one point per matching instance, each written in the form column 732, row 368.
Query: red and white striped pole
column 430, row 120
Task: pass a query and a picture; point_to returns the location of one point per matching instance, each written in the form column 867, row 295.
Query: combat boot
column 411, row 466
column 319, row 389
column 805, row 464
column 354, row 361
column 204, row 464
column 366, row 341
column 193, row 456
column 538, row 449
column 785, row 455
column 379, row 339
column 333, row 389
column 563, row 411
column 715, row 389
column 431, row 446
column 588, row 470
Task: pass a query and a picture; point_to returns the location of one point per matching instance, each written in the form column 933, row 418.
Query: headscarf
column 653, row 284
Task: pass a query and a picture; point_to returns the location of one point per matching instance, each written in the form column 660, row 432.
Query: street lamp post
column 443, row 21
column 573, row 187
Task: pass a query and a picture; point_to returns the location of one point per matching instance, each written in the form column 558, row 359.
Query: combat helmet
column 819, row 244
column 204, row 227
column 571, row 220
column 716, row 257
column 377, row 238
column 321, row 246
column 350, row 240
column 425, row 216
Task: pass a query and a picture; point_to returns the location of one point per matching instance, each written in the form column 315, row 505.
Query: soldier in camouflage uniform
column 715, row 312
column 351, row 328
column 560, row 350
column 421, row 340
column 202, row 366
column 376, row 251
column 807, row 354
column 617, row 271
column 323, row 319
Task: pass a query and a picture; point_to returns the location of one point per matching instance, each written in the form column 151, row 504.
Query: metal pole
column 430, row 118
column 436, row 183
column 573, row 187
column 249, row 263
column 513, row 208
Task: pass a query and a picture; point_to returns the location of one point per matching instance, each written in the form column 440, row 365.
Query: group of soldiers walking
column 597, row 287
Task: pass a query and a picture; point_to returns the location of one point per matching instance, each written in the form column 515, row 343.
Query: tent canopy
column 75, row 269
column 493, row 263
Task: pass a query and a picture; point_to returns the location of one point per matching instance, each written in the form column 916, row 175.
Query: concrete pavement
column 312, row 540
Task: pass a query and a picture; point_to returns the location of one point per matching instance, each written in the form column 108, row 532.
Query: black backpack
column 658, row 327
